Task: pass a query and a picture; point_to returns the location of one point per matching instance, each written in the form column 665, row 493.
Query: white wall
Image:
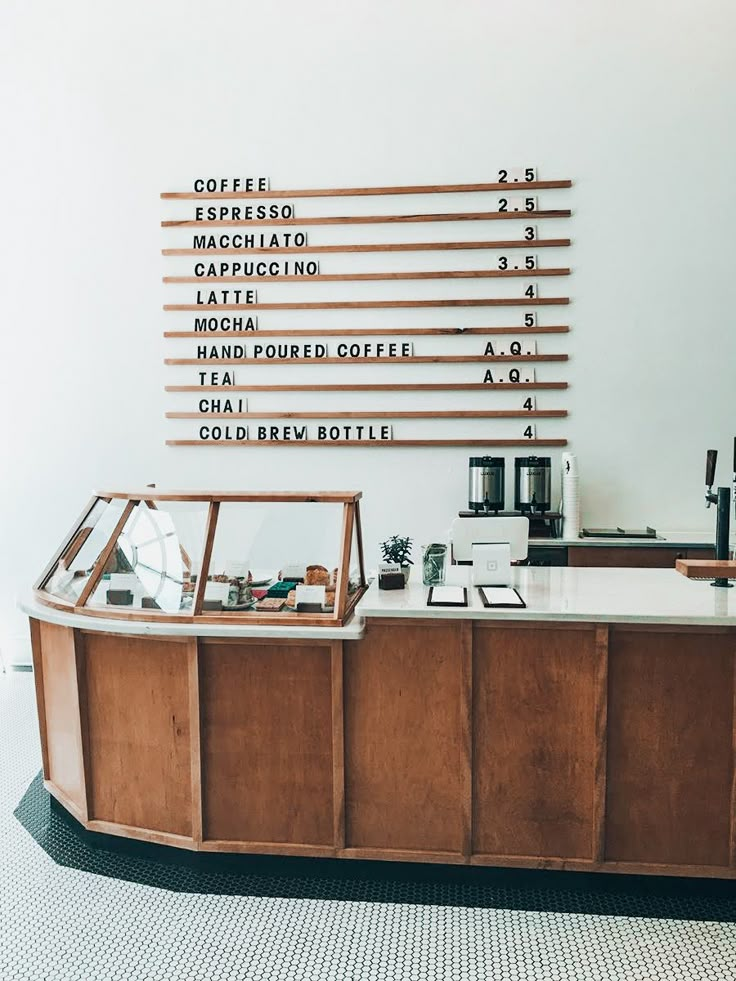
column 105, row 105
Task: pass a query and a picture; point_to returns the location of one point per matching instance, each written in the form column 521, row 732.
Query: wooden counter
column 542, row 744
column 632, row 553
column 558, row 742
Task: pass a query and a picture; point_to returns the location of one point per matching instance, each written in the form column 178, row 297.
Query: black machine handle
column 710, row 467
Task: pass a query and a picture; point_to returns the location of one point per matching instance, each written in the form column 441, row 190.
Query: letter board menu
column 351, row 316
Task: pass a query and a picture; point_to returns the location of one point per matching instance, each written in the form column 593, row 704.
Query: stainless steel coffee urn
column 532, row 483
column 486, row 483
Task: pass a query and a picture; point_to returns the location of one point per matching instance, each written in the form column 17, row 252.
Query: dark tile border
column 69, row 844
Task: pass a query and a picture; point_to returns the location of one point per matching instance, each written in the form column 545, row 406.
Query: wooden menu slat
column 333, row 192
column 370, row 219
column 538, row 243
column 521, row 441
column 520, row 301
column 428, row 414
column 368, row 332
column 370, row 277
column 412, row 359
column 375, row 387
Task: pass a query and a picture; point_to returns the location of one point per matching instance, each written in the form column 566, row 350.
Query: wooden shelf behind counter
column 591, row 553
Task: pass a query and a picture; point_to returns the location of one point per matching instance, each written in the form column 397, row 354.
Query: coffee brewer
column 533, row 492
column 486, row 484
column 532, row 484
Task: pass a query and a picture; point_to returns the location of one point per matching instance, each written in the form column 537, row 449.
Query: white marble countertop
column 144, row 628
column 560, row 593
column 551, row 593
column 666, row 539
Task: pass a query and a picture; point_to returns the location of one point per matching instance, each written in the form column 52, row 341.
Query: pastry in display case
column 260, row 557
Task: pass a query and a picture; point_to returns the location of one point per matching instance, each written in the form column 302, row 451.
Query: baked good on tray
column 270, row 604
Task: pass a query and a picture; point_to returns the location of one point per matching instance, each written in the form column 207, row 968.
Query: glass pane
column 356, row 576
column 76, row 564
column 355, row 579
column 262, row 551
column 156, row 559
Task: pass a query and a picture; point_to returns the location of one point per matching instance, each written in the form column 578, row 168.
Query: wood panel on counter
column 546, row 745
column 138, row 731
column 407, row 741
column 670, row 733
column 534, row 740
column 631, row 556
column 266, row 722
column 57, row 694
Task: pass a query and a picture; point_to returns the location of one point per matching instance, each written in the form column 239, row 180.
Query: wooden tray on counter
column 706, row 568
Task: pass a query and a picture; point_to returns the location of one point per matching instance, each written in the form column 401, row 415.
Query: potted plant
column 397, row 549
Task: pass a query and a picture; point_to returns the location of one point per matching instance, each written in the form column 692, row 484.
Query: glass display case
column 261, row 557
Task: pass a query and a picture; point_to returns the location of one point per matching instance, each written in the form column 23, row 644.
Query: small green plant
column 397, row 549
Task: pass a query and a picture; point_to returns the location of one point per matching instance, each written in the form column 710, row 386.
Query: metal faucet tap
column 711, row 458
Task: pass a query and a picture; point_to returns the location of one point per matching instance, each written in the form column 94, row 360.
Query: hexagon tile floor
column 308, row 922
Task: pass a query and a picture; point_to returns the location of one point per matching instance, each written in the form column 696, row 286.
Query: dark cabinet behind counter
column 615, row 556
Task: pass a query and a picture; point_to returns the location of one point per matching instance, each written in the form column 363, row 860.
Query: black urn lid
column 487, row 461
column 532, row 461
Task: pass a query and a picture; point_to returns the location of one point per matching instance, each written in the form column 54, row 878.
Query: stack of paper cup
column 570, row 496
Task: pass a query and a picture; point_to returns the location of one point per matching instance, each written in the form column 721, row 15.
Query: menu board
column 343, row 316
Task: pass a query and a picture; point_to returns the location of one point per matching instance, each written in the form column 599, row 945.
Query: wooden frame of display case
column 344, row 602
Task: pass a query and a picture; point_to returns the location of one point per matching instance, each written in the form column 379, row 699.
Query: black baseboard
column 180, row 870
